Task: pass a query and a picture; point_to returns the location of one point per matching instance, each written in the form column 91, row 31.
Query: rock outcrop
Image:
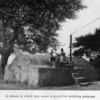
column 23, row 67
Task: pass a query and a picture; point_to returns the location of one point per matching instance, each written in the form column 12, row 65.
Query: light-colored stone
column 23, row 67
column 34, row 77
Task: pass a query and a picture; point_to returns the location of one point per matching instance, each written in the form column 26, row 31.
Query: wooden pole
column 70, row 47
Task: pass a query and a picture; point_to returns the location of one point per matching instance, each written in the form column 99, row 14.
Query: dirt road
column 18, row 86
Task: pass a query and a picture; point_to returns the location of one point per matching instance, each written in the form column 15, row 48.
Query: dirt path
column 18, row 86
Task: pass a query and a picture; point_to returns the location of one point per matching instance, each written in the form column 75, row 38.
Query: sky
column 84, row 17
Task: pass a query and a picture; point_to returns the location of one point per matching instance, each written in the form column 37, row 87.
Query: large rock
column 23, row 67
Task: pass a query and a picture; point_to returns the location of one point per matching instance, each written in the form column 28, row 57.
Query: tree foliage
column 90, row 42
column 40, row 15
column 89, row 45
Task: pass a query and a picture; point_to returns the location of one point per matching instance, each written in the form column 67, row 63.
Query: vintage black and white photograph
column 49, row 45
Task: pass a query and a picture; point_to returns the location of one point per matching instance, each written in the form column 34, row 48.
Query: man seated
column 63, row 59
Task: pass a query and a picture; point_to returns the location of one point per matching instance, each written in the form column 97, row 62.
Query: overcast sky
column 84, row 17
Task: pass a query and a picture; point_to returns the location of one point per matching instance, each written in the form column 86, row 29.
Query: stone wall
column 55, row 77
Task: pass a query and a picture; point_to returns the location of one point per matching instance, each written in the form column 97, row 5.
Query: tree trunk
column 5, row 54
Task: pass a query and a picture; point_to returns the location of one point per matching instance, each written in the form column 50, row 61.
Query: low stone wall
column 55, row 77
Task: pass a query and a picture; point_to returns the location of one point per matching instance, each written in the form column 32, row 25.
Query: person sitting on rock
column 63, row 58
column 62, row 52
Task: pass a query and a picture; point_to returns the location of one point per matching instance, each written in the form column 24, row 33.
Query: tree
column 89, row 45
column 41, row 16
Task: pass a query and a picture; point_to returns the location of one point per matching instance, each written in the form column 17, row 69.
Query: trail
column 18, row 86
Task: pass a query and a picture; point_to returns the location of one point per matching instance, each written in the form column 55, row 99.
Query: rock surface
column 23, row 67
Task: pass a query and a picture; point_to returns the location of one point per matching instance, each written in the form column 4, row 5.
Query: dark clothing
column 53, row 59
column 63, row 53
